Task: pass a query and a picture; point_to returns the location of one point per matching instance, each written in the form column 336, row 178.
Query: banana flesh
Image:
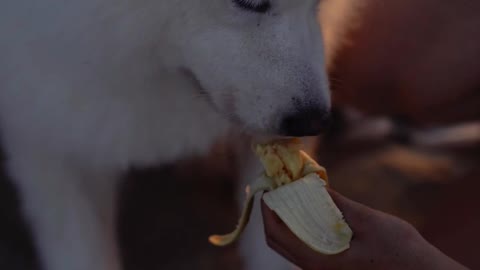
column 285, row 162
column 297, row 194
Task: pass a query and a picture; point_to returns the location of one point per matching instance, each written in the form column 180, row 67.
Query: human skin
column 380, row 241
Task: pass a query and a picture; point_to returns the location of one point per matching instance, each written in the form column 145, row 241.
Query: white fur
column 89, row 88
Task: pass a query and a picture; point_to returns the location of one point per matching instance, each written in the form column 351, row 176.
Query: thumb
column 283, row 241
column 358, row 216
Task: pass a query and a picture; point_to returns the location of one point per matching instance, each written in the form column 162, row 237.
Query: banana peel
column 296, row 192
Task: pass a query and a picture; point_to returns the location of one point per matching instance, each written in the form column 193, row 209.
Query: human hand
column 380, row 241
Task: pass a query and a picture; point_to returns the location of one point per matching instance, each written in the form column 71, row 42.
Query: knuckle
column 404, row 230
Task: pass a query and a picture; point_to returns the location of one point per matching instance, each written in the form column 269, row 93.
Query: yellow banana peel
column 297, row 193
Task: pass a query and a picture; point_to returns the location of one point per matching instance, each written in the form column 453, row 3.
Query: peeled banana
column 297, row 194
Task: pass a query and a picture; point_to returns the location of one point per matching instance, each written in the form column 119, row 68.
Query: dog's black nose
column 305, row 122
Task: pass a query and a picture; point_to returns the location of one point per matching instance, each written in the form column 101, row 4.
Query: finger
column 358, row 216
column 280, row 250
column 366, row 223
column 283, row 241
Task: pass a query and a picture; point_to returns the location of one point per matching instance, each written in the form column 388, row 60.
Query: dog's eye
column 253, row 5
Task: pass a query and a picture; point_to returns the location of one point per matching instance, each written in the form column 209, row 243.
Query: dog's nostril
column 306, row 122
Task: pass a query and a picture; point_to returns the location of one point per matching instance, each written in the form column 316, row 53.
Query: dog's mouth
column 201, row 92
column 204, row 95
column 229, row 110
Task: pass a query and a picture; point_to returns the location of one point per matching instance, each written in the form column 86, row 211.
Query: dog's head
column 259, row 62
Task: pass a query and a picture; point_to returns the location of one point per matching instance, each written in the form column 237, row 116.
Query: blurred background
column 406, row 140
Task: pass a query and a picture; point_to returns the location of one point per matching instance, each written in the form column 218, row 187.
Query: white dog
column 89, row 88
